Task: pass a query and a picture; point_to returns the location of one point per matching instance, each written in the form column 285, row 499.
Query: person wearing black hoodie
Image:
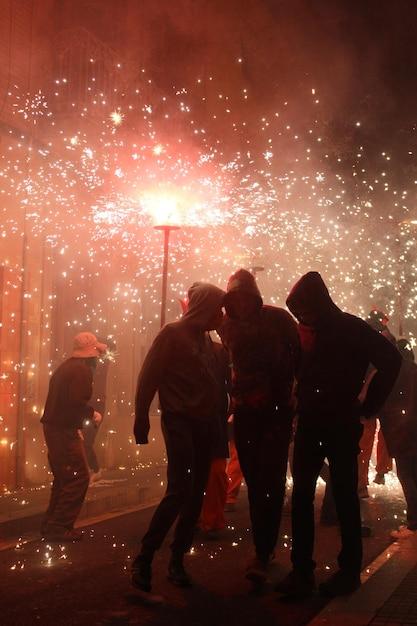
column 263, row 346
column 181, row 365
column 337, row 349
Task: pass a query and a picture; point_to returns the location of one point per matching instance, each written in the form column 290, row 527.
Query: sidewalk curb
column 380, row 579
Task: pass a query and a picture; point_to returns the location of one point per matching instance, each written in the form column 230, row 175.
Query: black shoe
column 297, row 584
column 340, row 584
column 177, row 573
column 142, row 573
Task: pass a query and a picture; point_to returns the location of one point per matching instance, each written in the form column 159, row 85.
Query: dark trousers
column 66, row 456
column 189, row 444
column 262, row 441
column 90, row 432
column 407, row 475
column 340, row 447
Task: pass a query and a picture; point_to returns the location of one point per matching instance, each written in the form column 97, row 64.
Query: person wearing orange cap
column 67, row 405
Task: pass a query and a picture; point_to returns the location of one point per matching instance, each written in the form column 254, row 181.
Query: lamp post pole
column 166, row 228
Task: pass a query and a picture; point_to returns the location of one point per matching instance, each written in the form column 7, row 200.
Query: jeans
column 189, row 445
column 407, row 475
column 262, row 441
column 340, row 447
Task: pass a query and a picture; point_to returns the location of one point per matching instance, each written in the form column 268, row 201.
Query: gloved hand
column 141, row 430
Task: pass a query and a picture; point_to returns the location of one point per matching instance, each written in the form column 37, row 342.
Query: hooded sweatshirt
column 263, row 348
column 336, row 357
column 181, row 363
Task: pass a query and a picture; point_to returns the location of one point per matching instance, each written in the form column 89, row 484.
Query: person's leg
column 366, row 444
column 308, row 461
column 90, row 433
column 383, row 459
column 202, row 443
column 179, row 447
column 234, row 475
column 212, row 511
column 344, row 477
column 407, row 475
column 342, row 452
column 267, row 494
column 66, row 451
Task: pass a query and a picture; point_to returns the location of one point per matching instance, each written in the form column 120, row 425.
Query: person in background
column 181, row 365
column 378, row 320
column 212, row 520
column 234, row 473
column 67, row 405
column 329, row 426
column 263, row 345
column 398, row 419
column 91, row 426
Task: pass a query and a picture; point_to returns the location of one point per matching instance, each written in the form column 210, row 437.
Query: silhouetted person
column 337, row 349
column 263, row 345
column 398, row 419
column 181, row 366
column 67, row 405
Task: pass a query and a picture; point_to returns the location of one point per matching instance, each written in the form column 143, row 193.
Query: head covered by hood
column 242, row 282
column 204, row 302
column 310, row 299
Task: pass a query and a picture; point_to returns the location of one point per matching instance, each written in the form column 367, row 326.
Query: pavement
column 89, row 582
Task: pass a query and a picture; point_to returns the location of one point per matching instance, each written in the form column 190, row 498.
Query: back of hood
column 310, row 294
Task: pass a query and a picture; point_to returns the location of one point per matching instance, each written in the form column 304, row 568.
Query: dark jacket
column 398, row 416
column 263, row 349
column 70, row 390
column 336, row 356
column 181, row 364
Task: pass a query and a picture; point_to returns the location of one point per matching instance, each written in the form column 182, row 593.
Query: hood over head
column 204, row 302
column 311, row 297
column 242, row 282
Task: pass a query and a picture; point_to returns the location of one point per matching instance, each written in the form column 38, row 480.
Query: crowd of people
column 311, row 386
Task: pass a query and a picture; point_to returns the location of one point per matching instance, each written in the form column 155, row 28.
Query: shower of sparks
column 266, row 190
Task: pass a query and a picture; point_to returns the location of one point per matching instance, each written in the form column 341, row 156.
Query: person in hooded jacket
column 398, row 419
column 337, row 349
column 181, row 365
column 263, row 346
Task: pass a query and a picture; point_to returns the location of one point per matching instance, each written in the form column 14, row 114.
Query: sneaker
column 363, row 492
column 402, row 533
column 64, row 535
column 297, row 584
column 257, row 569
column 379, row 479
column 177, row 573
column 340, row 584
column 142, row 573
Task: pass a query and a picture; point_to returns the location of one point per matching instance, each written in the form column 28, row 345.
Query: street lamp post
column 166, row 228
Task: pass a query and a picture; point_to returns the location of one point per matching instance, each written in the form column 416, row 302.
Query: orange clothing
column 212, row 511
column 234, row 475
column 366, row 444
